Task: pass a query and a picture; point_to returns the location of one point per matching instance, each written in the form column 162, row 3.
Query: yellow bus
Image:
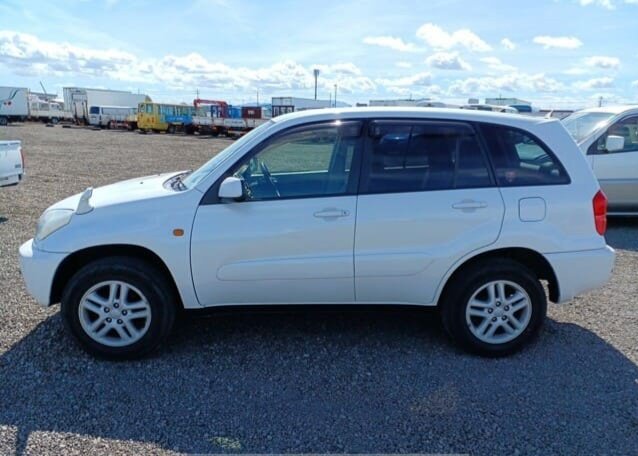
column 161, row 116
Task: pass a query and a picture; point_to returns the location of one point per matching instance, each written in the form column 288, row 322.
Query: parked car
column 11, row 163
column 466, row 210
column 609, row 138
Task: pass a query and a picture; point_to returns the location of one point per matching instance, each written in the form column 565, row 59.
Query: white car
column 609, row 138
column 11, row 163
column 469, row 211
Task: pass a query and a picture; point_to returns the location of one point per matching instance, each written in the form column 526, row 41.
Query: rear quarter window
column 521, row 159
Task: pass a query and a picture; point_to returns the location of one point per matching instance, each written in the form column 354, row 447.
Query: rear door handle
column 331, row 213
column 469, row 205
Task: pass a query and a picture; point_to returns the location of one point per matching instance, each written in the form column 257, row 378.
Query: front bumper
column 579, row 272
column 38, row 269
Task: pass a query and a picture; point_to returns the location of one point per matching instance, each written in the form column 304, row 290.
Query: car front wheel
column 494, row 308
column 118, row 307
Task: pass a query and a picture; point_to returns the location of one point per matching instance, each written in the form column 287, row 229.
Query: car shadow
column 622, row 233
column 326, row 381
column 3, row 219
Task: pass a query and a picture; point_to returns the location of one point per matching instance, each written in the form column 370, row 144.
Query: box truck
column 14, row 104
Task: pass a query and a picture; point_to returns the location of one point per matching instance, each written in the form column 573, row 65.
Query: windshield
column 196, row 176
column 582, row 124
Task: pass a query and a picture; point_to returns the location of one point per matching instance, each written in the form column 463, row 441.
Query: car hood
column 140, row 188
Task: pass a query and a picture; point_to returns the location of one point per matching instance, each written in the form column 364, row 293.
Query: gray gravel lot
column 305, row 381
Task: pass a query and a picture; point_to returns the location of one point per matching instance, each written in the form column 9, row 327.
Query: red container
column 248, row 112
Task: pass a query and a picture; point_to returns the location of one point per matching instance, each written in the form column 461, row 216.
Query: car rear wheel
column 494, row 308
column 119, row 307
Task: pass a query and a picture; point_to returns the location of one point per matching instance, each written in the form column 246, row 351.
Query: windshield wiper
column 177, row 183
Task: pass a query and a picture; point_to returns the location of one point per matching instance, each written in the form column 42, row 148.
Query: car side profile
column 608, row 136
column 468, row 211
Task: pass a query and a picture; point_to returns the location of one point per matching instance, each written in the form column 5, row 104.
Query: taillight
column 600, row 212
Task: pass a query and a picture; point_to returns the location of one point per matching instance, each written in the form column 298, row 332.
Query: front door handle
column 469, row 205
column 331, row 213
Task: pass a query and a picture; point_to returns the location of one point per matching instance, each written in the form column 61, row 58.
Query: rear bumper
column 38, row 269
column 579, row 272
column 13, row 179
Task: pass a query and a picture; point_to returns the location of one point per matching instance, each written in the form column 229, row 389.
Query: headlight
column 52, row 221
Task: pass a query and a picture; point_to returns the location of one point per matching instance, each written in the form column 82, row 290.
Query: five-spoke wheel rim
column 114, row 313
column 498, row 312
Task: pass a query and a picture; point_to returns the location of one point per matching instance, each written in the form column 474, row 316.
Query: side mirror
column 614, row 143
column 231, row 188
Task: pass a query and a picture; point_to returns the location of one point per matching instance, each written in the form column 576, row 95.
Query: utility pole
column 600, row 101
column 316, row 73
column 335, row 95
column 257, row 97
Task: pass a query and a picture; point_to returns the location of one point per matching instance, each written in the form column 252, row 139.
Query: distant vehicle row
column 17, row 104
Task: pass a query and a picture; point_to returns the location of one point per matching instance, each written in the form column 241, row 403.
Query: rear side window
column 519, row 159
column 423, row 156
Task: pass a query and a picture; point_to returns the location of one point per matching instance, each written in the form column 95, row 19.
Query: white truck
column 11, row 163
column 47, row 111
column 79, row 100
column 14, row 104
column 225, row 126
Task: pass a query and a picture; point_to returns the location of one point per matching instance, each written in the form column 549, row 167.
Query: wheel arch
column 529, row 258
column 75, row 261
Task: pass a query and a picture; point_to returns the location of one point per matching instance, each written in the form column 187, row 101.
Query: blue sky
column 557, row 53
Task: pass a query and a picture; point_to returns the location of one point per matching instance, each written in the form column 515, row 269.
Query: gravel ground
column 304, row 381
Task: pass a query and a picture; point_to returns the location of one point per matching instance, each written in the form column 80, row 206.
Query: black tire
column 4, row 121
column 55, row 120
column 171, row 129
column 145, row 277
column 458, row 293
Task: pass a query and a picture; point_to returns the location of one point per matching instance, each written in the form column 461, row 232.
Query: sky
column 555, row 53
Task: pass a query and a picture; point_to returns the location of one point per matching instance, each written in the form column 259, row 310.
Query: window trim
column 545, row 147
column 211, row 196
column 368, row 147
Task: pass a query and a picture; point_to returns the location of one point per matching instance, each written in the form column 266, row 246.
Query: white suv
column 465, row 210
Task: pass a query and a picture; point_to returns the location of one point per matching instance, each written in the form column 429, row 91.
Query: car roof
column 469, row 115
column 616, row 109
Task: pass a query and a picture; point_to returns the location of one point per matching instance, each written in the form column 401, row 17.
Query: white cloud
column 422, row 79
column 494, row 63
column 390, row 42
column 404, row 64
column 508, row 44
column 447, row 61
column 607, row 4
column 563, row 42
column 635, row 83
column 438, row 38
column 596, row 83
column 601, row 61
column 512, row 82
column 27, row 55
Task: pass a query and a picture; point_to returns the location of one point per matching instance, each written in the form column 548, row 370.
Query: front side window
column 422, row 157
column 94, row 110
column 626, row 129
column 311, row 162
column 519, row 159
